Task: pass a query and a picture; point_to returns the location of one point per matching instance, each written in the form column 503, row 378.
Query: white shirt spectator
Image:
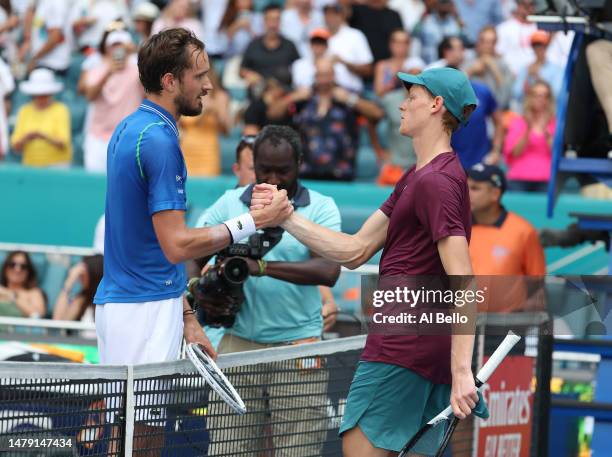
column 352, row 46
column 411, row 11
column 303, row 72
column 297, row 31
column 514, row 45
column 7, row 85
column 212, row 14
column 104, row 12
column 52, row 14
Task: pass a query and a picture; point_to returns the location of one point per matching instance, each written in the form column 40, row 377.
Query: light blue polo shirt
column 277, row 311
column 146, row 174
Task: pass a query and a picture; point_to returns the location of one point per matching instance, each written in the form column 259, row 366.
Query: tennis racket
column 436, row 434
column 214, row 377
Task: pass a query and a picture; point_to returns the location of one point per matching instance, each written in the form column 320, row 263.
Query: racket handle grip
column 502, row 351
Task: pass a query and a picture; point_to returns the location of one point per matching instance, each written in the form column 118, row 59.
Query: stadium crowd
column 327, row 68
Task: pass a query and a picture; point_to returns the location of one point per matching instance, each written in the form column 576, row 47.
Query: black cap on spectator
column 488, row 173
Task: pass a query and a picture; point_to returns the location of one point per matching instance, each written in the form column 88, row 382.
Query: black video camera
column 218, row 294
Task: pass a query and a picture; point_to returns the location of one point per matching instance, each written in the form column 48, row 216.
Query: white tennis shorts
column 136, row 333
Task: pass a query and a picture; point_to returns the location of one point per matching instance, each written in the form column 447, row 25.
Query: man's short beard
column 183, row 108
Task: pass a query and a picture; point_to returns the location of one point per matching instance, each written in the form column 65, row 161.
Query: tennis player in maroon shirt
column 424, row 229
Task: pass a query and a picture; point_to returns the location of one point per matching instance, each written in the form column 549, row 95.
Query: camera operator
column 282, row 304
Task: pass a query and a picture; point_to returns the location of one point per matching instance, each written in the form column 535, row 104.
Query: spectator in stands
column 385, row 71
column 239, row 26
column 327, row 118
column 7, row 85
column 303, row 70
column 282, row 305
column 212, row 12
column 489, row 68
column 200, row 134
column 599, row 59
column 79, row 307
column 89, row 19
column 49, row 41
column 472, row 141
column 377, row 22
column 9, row 30
column 397, row 155
column 541, row 69
column 243, row 168
column 440, row 22
column 476, row 15
column 143, row 16
column 114, row 90
column 20, row 295
column 264, row 110
column 513, row 37
column 348, row 47
column 528, row 144
column 298, row 22
column 178, row 13
column 503, row 243
column 410, row 11
column 450, row 53
column 42, row 131
column 269, row 56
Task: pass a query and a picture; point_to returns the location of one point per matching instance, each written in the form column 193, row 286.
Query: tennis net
column 295, row 398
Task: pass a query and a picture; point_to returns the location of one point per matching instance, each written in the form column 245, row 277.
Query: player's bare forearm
column 312, row 272
column 348, row 250
column 455, row 257
column 462, row 348
column 181, row 243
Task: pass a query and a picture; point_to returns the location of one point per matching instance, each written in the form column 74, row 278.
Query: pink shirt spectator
column 534, row 163
column 120, row 96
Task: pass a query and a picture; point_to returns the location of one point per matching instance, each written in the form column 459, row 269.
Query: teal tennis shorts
column 391, row 403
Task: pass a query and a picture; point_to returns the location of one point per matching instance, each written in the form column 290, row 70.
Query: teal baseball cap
column 450, row 84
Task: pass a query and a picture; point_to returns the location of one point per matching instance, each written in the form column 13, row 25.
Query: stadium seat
column 77, row 149
column 367, row 167
column 54, row 280
column 71, row 79
column 77, row 104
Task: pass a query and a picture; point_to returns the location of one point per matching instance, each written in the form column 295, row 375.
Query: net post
column 128, row 436
column 542, row 394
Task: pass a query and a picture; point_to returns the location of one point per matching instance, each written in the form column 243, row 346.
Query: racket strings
column 427, row 442
column 215, row 378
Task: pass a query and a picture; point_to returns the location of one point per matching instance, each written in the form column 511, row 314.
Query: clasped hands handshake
column 270, row 206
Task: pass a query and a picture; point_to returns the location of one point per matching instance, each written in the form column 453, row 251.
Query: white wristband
column 241, row 227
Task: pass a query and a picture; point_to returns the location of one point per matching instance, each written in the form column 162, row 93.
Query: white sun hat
column 145, row 11
column 41, row 82
column 119, row 37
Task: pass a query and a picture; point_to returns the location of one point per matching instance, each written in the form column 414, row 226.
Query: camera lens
column 235, row 270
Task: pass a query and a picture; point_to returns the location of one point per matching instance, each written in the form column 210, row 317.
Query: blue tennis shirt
column 146, row 173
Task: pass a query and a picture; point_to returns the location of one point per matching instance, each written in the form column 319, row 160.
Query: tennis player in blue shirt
column 141, row 316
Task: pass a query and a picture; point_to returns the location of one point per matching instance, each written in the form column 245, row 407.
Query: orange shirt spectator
column 503, row 245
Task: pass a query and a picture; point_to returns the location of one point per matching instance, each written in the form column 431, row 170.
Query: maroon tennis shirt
column 426, row 205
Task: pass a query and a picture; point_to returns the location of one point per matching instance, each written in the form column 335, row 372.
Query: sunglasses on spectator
column 248, row 139
column 18, row 265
